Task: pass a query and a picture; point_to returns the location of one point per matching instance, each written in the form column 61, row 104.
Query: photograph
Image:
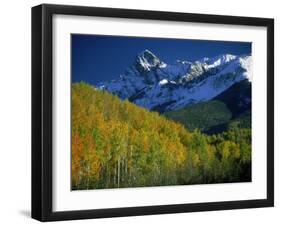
column 149, row 111
column 144, row 112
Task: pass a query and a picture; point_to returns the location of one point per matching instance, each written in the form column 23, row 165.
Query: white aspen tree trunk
column 124, row 168
column 118, row 172
column 126, row 165
column 88, row 178
column 107, row 174
column 130, row 170
column 114, row 182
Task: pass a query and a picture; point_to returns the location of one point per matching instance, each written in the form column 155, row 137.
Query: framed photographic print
column 144, row 112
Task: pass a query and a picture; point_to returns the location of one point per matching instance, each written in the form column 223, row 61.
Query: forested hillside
column 202, row 116
column 230, row 108
column 118, row 144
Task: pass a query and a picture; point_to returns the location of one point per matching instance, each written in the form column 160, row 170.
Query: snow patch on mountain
column 156, row 85
column 147, row 60
column 163, row 82
column 246, row 63
column 219, row 60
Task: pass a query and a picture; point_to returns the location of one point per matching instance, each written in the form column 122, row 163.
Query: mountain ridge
column 152, row 83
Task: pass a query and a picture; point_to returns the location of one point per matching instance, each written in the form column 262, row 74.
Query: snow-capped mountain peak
column 159, row 86
column 146, row 60
column 218, row 60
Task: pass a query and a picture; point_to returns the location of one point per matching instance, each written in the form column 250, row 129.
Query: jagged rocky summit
column 156, row 85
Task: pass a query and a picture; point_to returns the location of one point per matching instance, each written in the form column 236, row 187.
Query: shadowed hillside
column 231, row 108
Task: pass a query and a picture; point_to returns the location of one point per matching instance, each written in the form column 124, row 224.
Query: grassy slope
column 223, row 112
column 202, row 116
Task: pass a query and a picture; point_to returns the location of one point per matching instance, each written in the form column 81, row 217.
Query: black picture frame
column 42, row 111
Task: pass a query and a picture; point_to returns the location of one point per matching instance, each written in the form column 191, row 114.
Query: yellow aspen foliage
column 118, row 144
column 196, row 160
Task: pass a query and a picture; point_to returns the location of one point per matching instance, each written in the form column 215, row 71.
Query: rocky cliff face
column 156, row 85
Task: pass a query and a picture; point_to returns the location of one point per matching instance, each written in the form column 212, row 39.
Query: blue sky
column 98, row 58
